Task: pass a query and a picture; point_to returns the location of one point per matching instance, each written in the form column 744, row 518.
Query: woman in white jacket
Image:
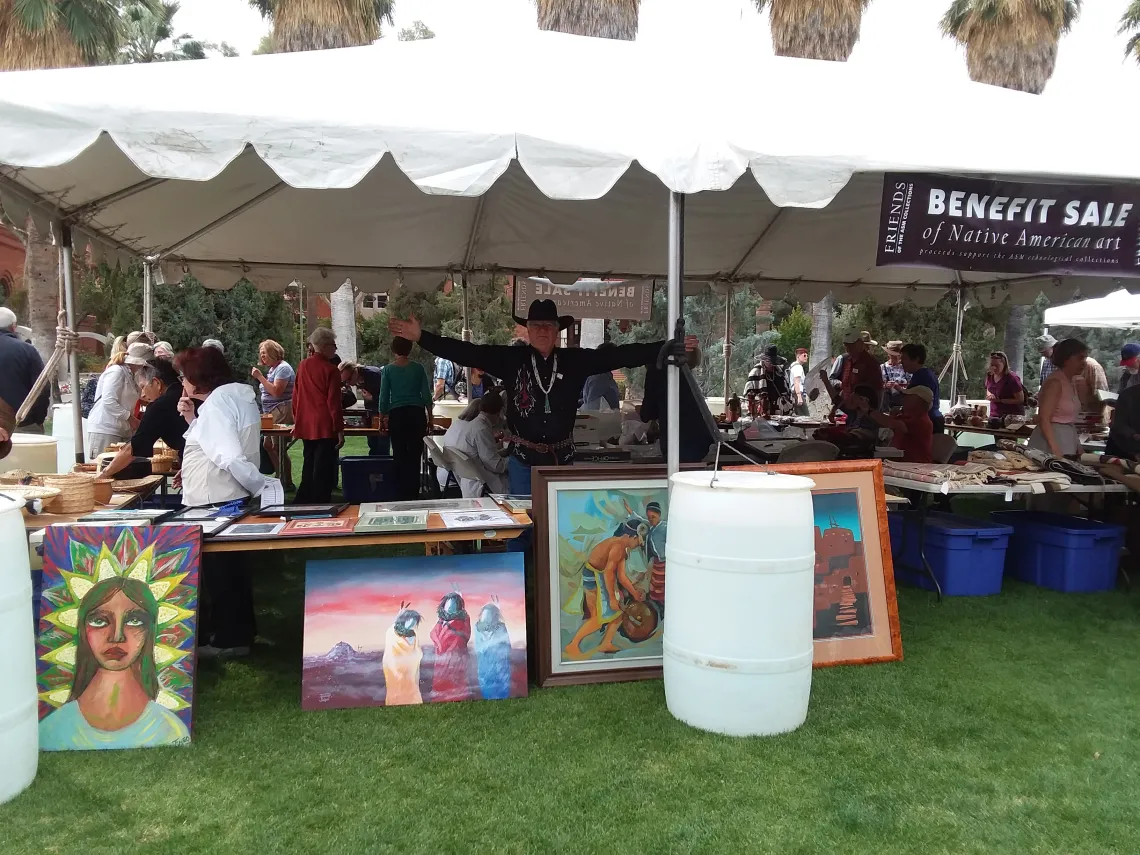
column 220, row 464
column 112, row 415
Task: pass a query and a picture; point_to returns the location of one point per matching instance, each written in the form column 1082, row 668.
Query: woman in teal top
column 406, row 401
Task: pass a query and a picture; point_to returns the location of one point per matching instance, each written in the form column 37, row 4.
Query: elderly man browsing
column 543, row 382
column 22, row 367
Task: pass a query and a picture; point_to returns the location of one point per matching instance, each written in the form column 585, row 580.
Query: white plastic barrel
column 740, row 561
column 63, row 429
column 32, row 451
column 19, row 728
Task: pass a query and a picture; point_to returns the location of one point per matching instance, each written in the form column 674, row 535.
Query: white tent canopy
column 1119, row 310
column 400, row 162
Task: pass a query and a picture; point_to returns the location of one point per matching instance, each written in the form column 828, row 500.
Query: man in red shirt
column 860, row 368
column 913, row 428
column 318, row 419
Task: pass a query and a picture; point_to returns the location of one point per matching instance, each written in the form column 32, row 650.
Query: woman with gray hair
column 318, row 420
column 158, row 385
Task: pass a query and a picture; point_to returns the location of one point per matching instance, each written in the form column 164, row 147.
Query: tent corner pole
column 73, row 355
column 147, row 282
column 466, row 335
column 956, row 350
column 674, row 302
column 728, row 342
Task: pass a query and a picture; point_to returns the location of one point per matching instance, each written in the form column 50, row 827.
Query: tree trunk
column 1015, row 339
column 343, row 305
column 822, row 317
column 41, row 282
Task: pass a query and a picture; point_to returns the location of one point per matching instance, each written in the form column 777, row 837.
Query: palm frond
column 1011, row 43
column 300, row 25
column 1130, row 20
column 814, row 29
column 1132, row 48
column 605, row 19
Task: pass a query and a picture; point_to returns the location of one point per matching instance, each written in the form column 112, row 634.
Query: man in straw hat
column 543, row 382
column 858, row 367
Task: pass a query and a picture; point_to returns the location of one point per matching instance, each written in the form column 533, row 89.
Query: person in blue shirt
column 914, row 363
column 445, row 376
column 600, row 387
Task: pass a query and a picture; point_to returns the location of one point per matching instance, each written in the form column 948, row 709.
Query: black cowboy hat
column 545, row 310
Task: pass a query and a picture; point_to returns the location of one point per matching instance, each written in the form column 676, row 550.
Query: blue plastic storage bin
column 1063, row 553
column 368, row 479
column 967, row 555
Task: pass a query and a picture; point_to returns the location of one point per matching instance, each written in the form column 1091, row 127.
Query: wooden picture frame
column 848, row 646
column 552, row 668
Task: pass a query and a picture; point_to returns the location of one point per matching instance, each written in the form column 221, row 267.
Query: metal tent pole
column 466, row 333
column 728, row 343
column 956, row 354
column 147, row 280
column 73, row 356
column 676, row 277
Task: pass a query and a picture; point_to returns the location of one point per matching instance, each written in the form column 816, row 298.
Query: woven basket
column 48, row 495
column 85, row 468
column 137, row 485
column 161, row 464
column 76, row 492
column 21, row 477
column 104, row 488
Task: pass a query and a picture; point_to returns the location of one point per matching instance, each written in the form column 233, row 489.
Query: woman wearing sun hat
column 111, row 418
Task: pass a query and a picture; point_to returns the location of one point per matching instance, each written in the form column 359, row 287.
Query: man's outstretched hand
column 409, row 329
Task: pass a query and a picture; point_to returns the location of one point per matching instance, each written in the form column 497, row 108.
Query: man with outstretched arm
column 543, row 382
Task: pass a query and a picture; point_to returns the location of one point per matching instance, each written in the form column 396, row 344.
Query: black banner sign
column 1009, row 227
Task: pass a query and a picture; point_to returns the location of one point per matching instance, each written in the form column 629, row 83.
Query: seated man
column 476, row 439
column 913, row 428
column 1124, row 437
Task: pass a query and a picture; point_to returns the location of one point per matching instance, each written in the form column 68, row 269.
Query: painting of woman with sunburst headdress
column 117, row 625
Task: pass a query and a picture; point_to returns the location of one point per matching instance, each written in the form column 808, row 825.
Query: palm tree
column 1130, row 26
column 51, row 34
column 1011, row 43
column 603, row 19
column 814, row 29
column 300, row 25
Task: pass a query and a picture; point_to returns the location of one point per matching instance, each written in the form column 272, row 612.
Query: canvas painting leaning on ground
column 413, row 630
column 118, row 620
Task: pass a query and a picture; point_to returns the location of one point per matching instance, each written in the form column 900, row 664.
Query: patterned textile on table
column 953, row 476
column 1078, row 472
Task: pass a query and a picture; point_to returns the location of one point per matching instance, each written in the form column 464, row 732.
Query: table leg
column 919, row 500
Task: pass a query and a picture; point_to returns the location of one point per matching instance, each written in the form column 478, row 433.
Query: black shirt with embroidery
column 526, row 402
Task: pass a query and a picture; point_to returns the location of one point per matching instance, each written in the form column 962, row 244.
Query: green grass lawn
column 1011, row 726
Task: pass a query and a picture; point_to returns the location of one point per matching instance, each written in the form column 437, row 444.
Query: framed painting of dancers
column 600, row 572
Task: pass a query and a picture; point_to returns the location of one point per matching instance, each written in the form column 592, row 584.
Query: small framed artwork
column 600, row 592
column 336, row 525
column 856, row 613
column 388, row 523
